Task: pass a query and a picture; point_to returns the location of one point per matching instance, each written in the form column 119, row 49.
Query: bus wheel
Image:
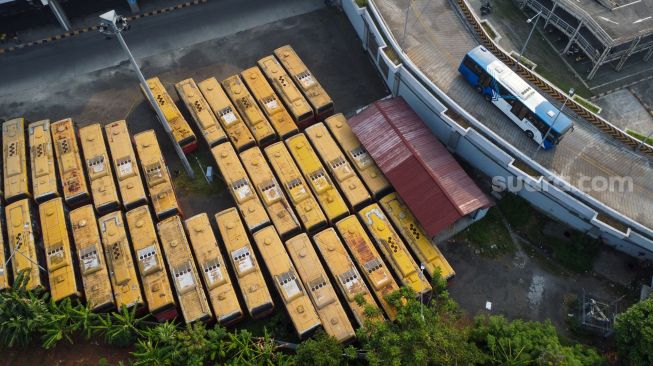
column 529, row 134
column 488, row 97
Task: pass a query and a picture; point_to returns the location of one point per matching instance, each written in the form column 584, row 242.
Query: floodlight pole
column 109, row 18
column 537, row 18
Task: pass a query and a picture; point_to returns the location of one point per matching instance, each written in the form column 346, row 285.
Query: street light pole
column 114, row 24
column 569, row 95
column 403, row 35
column 521, row 53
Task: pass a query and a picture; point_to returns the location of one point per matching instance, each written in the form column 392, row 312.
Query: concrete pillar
column 648, row 54
column 598, row 63
column 555, row 5
column 572, row 38
column 629, row 52
column 133, row 5
column 58, row 13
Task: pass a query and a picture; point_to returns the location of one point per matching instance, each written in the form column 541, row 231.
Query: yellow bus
column 154, row 276
column 199, row 109
column 224, row 110
column 363, row 162
column 272, row 196
column 318, row 179
column 342, row 268
column 297, row 105
column 181, row 131
column 313, row 91
column 222, row 294
column 190, row 293
column 58, row 252
column 269, row 102
column 24, row 250
column 248, row 272
column 348, row 181
column 4, row 273
column 249, row 110
column 369, row 261
column 157, row 177
column 98, row 168
column 126, row 289
column 395, row 250
column 44, row 173
column 427, row 252
column 125, row 165
column 324, row 298
column 293, row 182
column 235, row 177
column 93, row 266
column 298, row 305
column 71, row 171
column 14, row 161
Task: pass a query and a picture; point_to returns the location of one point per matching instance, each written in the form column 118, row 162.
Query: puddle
column 536, row 291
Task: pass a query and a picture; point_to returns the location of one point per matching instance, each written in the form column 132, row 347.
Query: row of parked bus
column 273, row 99
column 299, row 186
column 327, row 176
column 314, row 207
column 53, row 164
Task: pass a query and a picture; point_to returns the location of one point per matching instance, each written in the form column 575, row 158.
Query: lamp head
column 110, row 17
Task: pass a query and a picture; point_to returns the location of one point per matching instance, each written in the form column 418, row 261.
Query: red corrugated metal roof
column 427, row 177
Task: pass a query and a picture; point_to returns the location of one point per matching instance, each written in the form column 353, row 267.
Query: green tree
column 634, row 332
column 521, row 342
column 437, row 338
column 323, row 350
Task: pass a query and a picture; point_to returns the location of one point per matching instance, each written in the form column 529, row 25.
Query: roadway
column 436, row 40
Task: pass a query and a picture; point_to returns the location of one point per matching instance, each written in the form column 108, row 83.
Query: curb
column 77, row 32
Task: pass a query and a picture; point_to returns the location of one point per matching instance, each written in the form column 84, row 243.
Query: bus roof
column 544, row 109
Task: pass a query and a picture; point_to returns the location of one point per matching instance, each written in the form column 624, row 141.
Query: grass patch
column 577, row 254
column 612, row 222
column 361, row 3
column 521, row 165
column 198, row 185
column 587, row 104
column 488, row 30
column 523, row 60
column 392, row 55
column 516, row 210
column 489, row 235
column 640, row 137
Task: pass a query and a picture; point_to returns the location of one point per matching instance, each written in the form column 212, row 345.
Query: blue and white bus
column 515, row 97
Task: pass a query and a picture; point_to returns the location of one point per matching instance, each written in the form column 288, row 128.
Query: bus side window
column 540, row 125
column 471, row 65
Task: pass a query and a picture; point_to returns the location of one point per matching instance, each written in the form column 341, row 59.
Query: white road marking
column 609, row 20
column 641, row 20
column 625, row 5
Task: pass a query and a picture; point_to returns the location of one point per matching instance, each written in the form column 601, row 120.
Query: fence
column 485, row 150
